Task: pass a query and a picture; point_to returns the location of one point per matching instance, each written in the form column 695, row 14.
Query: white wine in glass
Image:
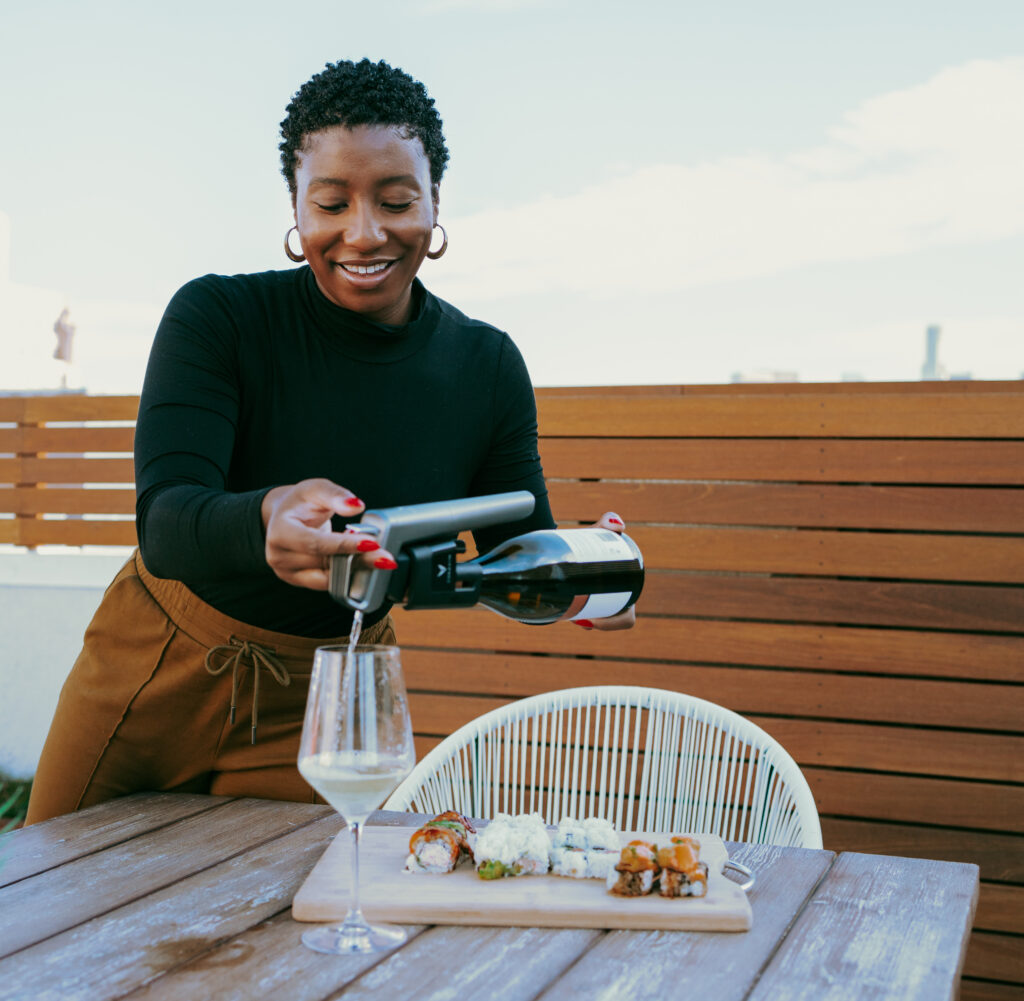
column 356, row 747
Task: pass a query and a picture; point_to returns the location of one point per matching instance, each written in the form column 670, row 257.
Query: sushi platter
column 389, row 893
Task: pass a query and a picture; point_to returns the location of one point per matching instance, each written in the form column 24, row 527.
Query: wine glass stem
column 355, row 914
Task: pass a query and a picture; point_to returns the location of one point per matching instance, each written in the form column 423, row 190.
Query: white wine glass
column 356, row 747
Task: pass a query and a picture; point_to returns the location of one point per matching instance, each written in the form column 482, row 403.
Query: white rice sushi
column 584, row 849
column 601, row 862
column 569, row 861
column 512, row 846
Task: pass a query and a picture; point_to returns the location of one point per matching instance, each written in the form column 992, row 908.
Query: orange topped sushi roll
column 682, row 872
column 636, row 870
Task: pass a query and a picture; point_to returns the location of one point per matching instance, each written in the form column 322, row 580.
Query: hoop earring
column 435, row 254
column 292, row 256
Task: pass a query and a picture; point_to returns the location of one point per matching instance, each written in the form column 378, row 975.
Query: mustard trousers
column 168, row 694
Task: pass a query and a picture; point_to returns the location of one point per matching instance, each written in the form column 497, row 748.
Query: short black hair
column 363, row 93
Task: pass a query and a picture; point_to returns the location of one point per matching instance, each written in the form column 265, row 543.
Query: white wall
column 46, row 602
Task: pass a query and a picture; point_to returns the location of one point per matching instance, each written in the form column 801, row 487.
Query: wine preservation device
column 537, row 577
column 424, row 540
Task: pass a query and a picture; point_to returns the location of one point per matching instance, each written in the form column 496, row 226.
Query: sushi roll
column 682, row 872
column 440, row 844
column 569, row 861
column 600, row 835
column 512, row 846
column 636, row 870
column 600, row 862
column 585, row 849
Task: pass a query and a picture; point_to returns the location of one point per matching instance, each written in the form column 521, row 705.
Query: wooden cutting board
column 388, row 893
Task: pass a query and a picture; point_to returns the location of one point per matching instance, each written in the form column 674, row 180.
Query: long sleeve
column 190, row 525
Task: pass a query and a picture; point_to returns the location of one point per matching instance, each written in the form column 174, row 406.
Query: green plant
column 13, row 801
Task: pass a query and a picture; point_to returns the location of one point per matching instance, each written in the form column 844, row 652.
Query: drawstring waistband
column 236, row 652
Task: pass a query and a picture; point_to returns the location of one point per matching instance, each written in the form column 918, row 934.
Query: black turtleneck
column 257, row 381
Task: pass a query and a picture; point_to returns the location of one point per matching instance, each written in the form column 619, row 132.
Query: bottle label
column 595, row 545
column 601, row 606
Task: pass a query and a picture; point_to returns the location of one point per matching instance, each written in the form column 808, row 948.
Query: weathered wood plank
column 884, row 928
column 268, row 956
column 981, row 415
column 972, row 705
column 778, row 460
column 115, row 953
column 108, row 879
column 694, row 964
column 504, row 964
column 839, row 649
column 809, row 505
column 60, row 840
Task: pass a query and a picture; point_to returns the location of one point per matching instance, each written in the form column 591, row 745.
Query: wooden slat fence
column 843, row 564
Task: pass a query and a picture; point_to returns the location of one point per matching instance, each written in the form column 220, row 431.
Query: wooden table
column 175, row 896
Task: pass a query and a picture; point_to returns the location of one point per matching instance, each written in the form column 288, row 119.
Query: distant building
column 931, row 369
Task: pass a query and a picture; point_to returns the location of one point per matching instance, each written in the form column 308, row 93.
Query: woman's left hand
column 626, row 619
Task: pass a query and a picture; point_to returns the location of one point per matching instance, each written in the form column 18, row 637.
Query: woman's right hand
column 299, row 538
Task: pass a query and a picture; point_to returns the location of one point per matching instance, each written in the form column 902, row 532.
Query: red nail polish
column 353, row 502
column 385, row 563
column 367, row 545
column 616, row 521
column 586, row 623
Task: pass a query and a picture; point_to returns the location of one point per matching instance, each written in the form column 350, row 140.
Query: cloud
column 931, row 166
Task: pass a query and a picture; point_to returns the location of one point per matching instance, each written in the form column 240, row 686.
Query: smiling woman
column 365, row 208
column 276, row 408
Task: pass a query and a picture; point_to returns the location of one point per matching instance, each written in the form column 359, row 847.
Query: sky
column 639, row 193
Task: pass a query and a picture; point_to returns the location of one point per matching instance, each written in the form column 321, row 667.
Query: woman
column 275, row 408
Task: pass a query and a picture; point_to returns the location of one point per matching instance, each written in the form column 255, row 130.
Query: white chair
column 643, row 758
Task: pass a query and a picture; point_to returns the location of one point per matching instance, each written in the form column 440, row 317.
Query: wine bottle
column 553, row 574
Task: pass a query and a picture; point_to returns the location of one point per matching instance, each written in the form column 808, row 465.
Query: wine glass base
column 345, row 940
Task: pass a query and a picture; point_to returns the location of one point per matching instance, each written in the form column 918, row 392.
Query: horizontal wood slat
column 76, row 532
column 943, row 509
column 989, row 990
column 993, row 955
column 826, row 600
column 826, row 461
column 67, row 407
column 790, row 388
column 992, row 757
column 64, row 470
column 70, row 439
column 833, row 553
column 809, row 694
column 895, row 415
column 860, row 650
column 913, row 799
column 999, row 856
column 1001, row 908
column 64, row 500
